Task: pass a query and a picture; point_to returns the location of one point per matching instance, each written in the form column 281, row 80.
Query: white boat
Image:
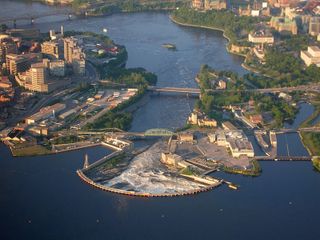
column 105, row 30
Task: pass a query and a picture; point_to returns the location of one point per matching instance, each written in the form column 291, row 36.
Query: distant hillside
column 114, row 2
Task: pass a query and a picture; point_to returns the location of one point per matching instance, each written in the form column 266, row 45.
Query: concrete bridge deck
column 283, row 158
column 32, row 17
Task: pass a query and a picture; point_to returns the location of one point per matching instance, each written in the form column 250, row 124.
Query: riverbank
column 311, row 142
column 245, row 66
column 254, row 171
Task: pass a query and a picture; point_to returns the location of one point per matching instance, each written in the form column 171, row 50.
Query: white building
column 311, row 56
column 261, row 37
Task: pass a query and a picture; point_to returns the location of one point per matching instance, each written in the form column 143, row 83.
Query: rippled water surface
column 43, row 198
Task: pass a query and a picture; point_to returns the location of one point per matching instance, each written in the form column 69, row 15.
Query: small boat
column 105, row 30
column 169, row 46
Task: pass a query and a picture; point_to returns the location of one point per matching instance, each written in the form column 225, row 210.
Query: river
column 43, row 198
column 143, row 34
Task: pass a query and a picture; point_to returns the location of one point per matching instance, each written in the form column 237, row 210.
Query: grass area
column 113, row 162
column 254, row 171
column 187, row 171
column 66, row 139
column 316, row 163
column 30, row 151
column 312, row 141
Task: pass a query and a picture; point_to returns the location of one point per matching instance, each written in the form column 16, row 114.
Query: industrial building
column 46, row 112
column 198, row 118
column 236, row 141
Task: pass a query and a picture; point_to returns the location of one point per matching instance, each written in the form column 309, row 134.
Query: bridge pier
column 14, row 23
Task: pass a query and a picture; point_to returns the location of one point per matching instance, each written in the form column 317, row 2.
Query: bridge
column 283, row 158
column 301, row 129
column 197, row 91
column 154, row 132
column 158, row 132
column 32, row 17
column 310, row 129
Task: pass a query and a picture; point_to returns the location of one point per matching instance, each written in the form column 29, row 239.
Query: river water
column 43, row 198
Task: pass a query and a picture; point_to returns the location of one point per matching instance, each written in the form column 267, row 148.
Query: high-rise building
column 7, row 48
column 39, row 75
column 53, row 48
column 21, row 63
column 74, row 55
column 70, row 45
column 42, row 76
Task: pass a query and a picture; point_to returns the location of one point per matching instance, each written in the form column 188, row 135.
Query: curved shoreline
column 210, row 28
column 87, row 180
column 200, row 26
